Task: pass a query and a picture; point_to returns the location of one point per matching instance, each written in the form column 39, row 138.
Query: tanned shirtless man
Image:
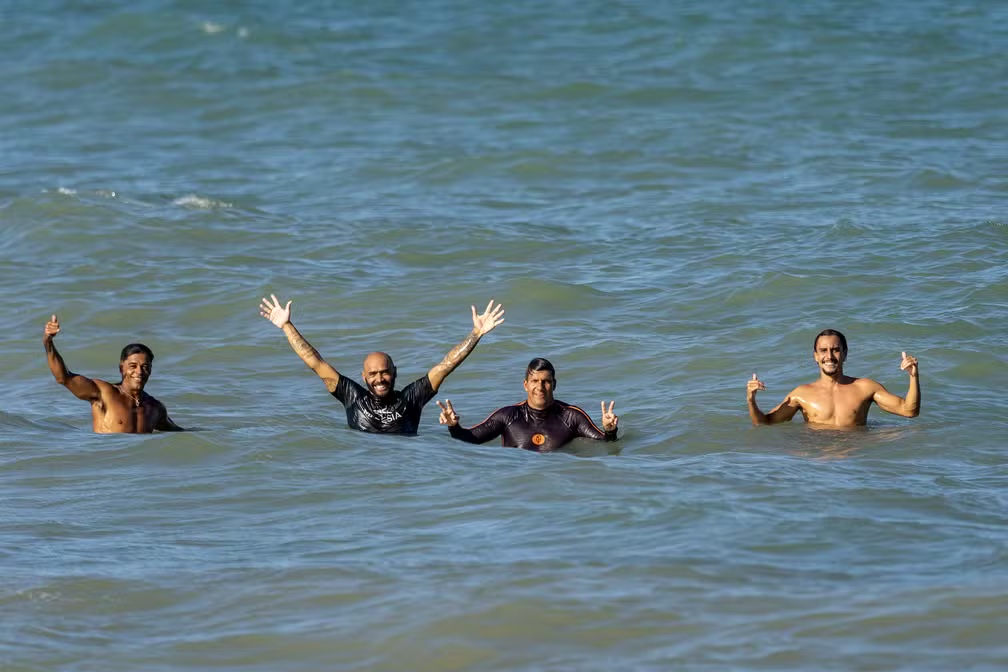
column 379, row 408
column 836, row 400
column 116, row 408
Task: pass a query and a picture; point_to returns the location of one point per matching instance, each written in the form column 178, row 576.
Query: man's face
column 379, row 375
column 829, row 354
column 135, row 370
column 539, row 387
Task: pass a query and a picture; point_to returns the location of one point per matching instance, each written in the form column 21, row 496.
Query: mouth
column 380, row 388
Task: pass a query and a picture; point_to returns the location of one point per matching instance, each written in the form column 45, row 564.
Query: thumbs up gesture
column 753, row 385
column 51, row 329
column 909, row 363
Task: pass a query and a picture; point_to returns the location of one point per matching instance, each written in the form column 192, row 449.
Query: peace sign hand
column 609, row 419
column 448, row 415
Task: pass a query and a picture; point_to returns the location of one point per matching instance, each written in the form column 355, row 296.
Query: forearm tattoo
column 460, row 351
column 302, row 347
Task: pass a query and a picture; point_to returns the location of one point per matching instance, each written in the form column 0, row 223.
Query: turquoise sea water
column 666, row 197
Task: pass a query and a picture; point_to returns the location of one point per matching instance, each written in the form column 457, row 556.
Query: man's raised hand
column 274, row 312
column 51, row 328
column 448, row 415
column 908, row 362
column 609, row 419
column 491, row 317
column 753, row 385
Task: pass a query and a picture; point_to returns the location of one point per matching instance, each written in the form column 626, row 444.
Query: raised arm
column 783, row 412
column 489, row 429
column 482, row 325
column 280, row 316
column 908, row 406
column 81, row 386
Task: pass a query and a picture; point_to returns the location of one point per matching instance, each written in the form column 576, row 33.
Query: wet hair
column 134, row 348
column 830, row 332
column 540, row 364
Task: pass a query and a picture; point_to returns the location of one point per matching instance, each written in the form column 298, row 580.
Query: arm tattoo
column 460, row 351
column 302, row 347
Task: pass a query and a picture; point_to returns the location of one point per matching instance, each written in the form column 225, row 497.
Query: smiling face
column 539, row 386
column 829, row 354
column 379, row 374
column 135, row 370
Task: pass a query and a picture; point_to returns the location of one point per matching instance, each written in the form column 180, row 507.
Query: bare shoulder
column 107, row 389
column 798, row 395
column 868, row 385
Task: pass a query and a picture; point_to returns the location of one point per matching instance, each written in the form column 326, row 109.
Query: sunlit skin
column 378, row 371
column 539, row 386
column 379, row 374
column 837, row 400
column 116, row 408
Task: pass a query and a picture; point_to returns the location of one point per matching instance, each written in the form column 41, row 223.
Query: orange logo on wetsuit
column 538, row 439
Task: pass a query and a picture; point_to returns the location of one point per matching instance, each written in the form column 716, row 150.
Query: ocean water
column 666, row 197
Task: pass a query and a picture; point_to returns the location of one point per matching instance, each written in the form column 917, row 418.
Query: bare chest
column 839, row 406
column 116, row 417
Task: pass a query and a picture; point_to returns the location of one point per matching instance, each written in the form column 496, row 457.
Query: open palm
column 275, row 312
column 490, row 318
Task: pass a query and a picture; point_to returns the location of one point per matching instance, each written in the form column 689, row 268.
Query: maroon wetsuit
column 522, row 426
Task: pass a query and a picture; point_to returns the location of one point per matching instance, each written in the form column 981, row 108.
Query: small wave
column 200, row 202
column 211, row 28
column 67, row 191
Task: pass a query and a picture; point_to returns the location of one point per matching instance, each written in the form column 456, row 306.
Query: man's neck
column 837, row 378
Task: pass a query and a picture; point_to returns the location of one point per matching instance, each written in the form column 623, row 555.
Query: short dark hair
column 830, row 332
column 134, row 348
column 540, row 364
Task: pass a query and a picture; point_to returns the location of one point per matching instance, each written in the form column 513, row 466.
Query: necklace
column 135, row 400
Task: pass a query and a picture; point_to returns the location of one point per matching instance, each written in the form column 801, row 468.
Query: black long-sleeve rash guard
column 521, row 426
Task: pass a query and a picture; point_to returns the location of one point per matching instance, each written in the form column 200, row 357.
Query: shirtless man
column 378, row 407
column 539, row 423
column 835, row 400
column 119, row 408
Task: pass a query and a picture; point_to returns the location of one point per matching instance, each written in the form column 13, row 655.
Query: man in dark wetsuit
column 378, row 407
column 540, row 423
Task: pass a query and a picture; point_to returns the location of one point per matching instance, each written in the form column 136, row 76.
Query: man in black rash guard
column 378, row 407
column 540, row 423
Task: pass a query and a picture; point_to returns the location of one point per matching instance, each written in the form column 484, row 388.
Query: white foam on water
column 212, row 28
column 200, row 202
